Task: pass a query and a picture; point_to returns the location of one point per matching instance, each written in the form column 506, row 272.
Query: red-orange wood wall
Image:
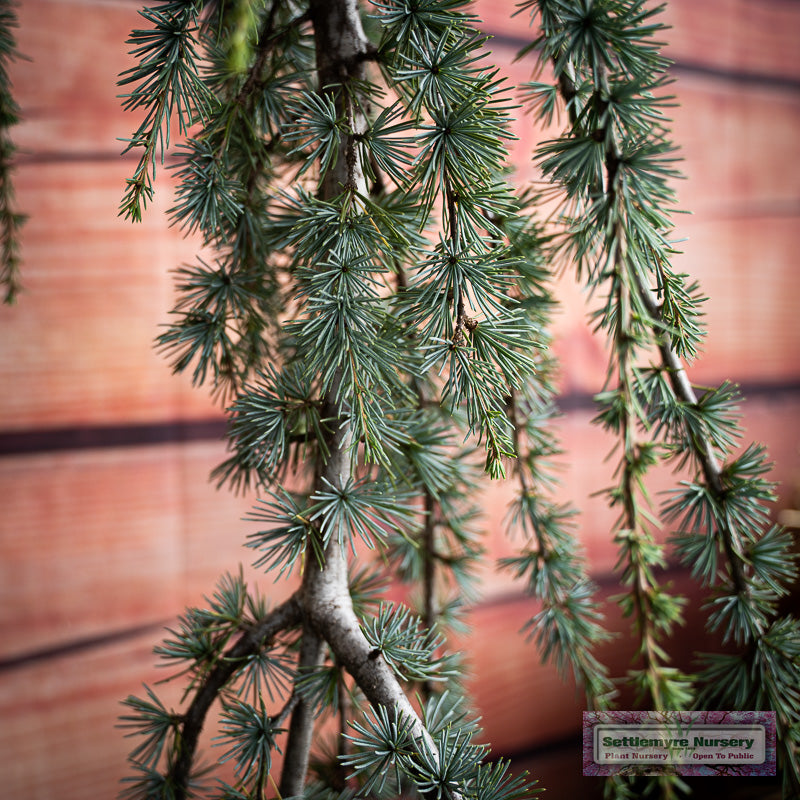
column 108, row 524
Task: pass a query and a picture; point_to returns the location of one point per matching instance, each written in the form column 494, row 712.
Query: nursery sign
column 679, row 743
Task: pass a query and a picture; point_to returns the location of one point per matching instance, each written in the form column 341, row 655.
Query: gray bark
column 342, row 50
column 340, row 41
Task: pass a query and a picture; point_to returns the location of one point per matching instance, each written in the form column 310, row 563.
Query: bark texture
column 342, row 50
column 340, row 45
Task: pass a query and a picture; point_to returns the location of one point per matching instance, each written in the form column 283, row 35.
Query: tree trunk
column 341, row 45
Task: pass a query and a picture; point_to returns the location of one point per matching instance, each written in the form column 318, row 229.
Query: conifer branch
column 326, row 596
column 614, row 164
column 671, row 362
column 313, row 187
column 338, row 37
column 301, row 727
column 703, row 447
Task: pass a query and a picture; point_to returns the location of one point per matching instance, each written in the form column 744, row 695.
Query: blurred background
column 109, row 526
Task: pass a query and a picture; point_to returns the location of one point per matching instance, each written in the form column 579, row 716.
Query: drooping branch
column 339, row 39
column 328, row 614
column 301, row 727
column 703, row 448
column 642, row 582
column 611, row 196
column 557, row 572
column 681, row 385
column 728, row 494
column 270, row 33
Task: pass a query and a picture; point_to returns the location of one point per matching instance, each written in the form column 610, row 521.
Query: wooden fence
column 109, row 526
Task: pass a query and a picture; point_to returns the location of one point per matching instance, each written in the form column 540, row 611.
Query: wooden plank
column 67, row 90
column 745, row 266
column 65, row 707
column 520, row 702
column 100, row 541
column 59, row 736
column 736, row 142
column 214, row 533
column 78, row 346
column 759, row 38
column 80, row 340
column 74, row 109
column 524, row 704
column 81, row 527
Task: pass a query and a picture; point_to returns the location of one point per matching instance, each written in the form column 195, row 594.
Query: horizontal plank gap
column 604, row 581
column 27, row 442
column 763, row 80
column 764, row 391
column 50, row 440
column 37, row 157
column 551, row 747
column 78, row 646
column 740, row 77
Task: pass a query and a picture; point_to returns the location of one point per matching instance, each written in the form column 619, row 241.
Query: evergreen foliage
column 375, row 317
column 614, row 163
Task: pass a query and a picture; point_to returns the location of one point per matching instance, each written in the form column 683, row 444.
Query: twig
column 301, row 727
column 704, row 450
column 679, row 380
column 284, row 616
